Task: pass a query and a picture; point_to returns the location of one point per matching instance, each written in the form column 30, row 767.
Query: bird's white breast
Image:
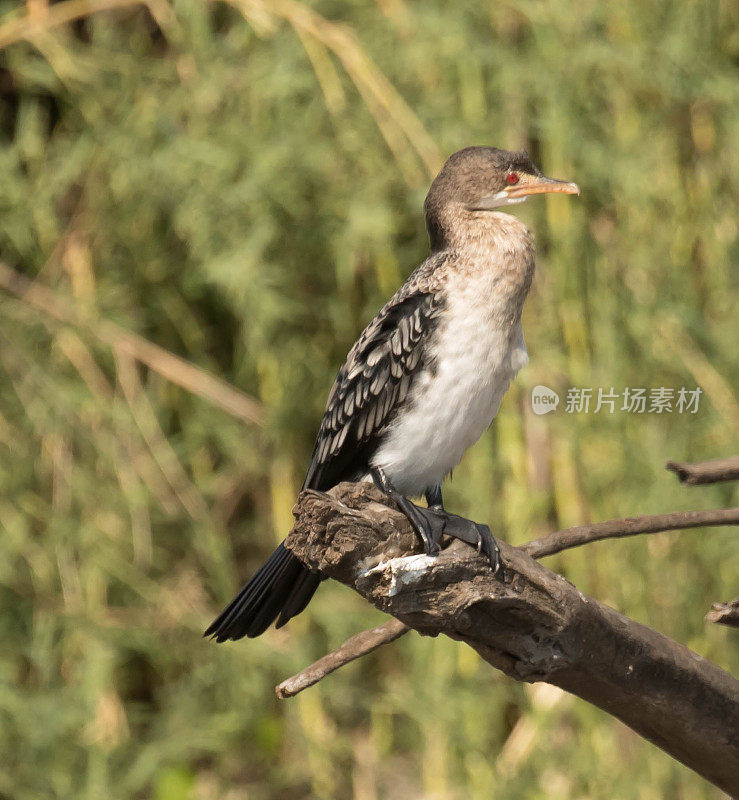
column 477, row 351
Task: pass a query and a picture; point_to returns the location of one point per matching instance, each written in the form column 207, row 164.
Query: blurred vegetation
column 241, row 184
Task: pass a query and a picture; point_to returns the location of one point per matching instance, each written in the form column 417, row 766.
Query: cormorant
column 426, row 376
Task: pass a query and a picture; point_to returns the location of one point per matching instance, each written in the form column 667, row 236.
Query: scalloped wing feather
column 371, row 387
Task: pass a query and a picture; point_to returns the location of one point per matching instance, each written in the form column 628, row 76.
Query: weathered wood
column 532, row 624
column 715, row 471
column 725, row 613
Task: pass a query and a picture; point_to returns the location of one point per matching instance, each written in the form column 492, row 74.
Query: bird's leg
column 474, row 533
column 427, row 525
column 434, row 522
column 434, row 499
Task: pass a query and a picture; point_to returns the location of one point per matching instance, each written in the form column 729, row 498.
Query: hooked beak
column 528, row 185
column 541, row 185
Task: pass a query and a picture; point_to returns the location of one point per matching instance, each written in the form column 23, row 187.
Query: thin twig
column 720, row 469
column 359, row 645
column 367, row 641
column 629, row 526
column 168, row 365
column 725, row 613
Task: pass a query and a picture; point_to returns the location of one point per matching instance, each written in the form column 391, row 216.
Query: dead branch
column 720, row 469
column 353, row 648
column 532, row 624
column 629, row 526
column 725, row 613
column 358, row 646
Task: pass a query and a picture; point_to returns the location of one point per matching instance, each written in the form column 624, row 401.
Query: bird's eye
column 511, row 178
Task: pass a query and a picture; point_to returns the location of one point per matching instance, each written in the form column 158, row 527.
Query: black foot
column 432, row 523
column 476, row 534
column 428, row 527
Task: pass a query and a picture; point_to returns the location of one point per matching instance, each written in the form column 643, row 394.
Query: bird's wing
column 371, row 387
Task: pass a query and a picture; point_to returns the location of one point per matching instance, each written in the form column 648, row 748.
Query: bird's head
column 477, row 180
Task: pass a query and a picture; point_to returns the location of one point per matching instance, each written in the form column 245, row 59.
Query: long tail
column 282, row 586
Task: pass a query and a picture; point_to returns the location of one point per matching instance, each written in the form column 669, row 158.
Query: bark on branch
column 720, row 469
column 725, row 613
column 533, row 625
column 629, row 526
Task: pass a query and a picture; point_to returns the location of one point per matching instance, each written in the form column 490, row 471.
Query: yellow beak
column 540, row 186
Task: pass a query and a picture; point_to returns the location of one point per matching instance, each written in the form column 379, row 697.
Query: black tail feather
column 302, row 591
column 282, row 585
column 241, row 602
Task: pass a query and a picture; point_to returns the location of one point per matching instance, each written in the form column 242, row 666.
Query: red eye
column 511, row 178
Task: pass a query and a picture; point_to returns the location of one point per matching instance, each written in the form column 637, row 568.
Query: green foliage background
column 241, row 184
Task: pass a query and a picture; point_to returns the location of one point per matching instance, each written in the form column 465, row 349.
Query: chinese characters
column 633, row 400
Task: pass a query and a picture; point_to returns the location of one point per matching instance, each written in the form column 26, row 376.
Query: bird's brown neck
column 455, row 227
column 492, row 261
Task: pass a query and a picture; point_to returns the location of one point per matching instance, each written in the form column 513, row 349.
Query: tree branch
column 532, row 624
column 720, row 469
column 629, row 526
column 361, row 645
column 357, row 646
column 725, row 613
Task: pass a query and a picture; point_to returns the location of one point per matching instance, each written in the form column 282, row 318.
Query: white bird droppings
column 402, row 571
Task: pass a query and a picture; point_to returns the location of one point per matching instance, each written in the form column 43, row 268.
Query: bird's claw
column 433, row 523
column 487, row 544
column 431, row 548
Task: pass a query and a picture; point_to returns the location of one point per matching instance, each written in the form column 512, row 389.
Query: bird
column 426, row 377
